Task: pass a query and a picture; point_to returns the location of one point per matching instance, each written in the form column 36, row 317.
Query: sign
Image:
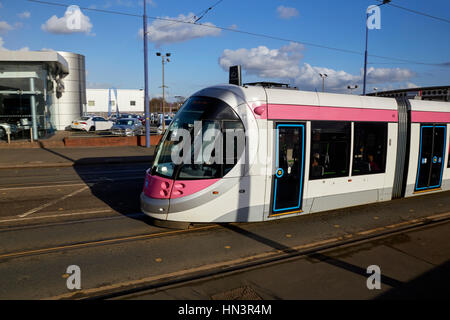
column 235, row 75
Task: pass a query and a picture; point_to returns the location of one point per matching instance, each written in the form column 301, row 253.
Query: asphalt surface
column 68, row 157
column 51, row 218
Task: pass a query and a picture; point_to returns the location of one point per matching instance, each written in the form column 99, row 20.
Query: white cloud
column 264, row 62
column 5, row 27
column 2, row 48
column 161, row 31
column 74, row 21
column 284, row 64
column 286, row 12
column 411, row 85
column 24, row 15
column 386, row 74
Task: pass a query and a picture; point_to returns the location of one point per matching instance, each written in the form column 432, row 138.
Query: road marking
column 52, row 202
column 56, row 215
column 222, row 264
column 46, row 186
column 103, row 179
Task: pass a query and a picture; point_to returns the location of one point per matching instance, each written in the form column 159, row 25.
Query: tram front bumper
column 156, row 208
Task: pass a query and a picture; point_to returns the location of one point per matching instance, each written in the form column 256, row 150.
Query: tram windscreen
column 218, row 124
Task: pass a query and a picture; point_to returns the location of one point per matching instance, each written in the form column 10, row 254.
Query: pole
column 163, row 104
column 323, row 84
column 365, row 58
column 146, row 106
column 33, row 109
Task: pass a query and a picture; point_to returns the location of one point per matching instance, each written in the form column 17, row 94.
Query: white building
column 128, row 101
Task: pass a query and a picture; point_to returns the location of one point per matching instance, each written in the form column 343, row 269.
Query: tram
column 300, row 152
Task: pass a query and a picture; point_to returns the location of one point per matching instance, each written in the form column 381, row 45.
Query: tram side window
column 369, row 155
column 330, row 149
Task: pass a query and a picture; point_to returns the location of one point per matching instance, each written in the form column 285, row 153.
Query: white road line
column 74, row 184
column 47, row 186
column 52, row 202
column 57, row 215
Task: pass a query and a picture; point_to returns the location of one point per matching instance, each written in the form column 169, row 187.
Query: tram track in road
column 156, row 283
column 105, row 241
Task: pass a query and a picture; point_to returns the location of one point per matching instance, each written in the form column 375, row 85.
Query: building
column 41, row 90
column 127, row 101
column 439, row 93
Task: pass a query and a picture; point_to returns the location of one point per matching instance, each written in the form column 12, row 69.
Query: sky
column 285, row 41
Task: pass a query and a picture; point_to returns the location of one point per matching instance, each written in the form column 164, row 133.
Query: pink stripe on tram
column 297, row 112
column 433, row 117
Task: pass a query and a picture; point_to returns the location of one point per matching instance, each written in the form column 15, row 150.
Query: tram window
column 370, row 145
column 212, row 114
column 234, row 143
column 210, row 164
column 330, row 149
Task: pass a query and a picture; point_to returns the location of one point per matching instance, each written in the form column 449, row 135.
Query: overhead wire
column 248, row 33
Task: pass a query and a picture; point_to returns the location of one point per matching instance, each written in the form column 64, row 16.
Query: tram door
column 289, row 168
column 431, row 157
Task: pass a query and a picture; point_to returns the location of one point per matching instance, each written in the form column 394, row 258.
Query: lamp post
column 365, row 52
column 352, row 87
column 146, row 104
column 165, row 59
column 323, row 76
column 375, row 90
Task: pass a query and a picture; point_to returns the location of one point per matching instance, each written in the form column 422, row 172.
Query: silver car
column 127, row 127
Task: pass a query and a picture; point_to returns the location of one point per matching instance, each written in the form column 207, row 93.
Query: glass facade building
column 34, row 92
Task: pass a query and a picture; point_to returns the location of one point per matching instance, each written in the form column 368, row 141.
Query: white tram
column 303, row 152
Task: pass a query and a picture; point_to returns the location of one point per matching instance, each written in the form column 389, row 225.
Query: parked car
column 160, row 128
column 7, row 128
column 91, row 123
column 128, row 116
column 128, row 127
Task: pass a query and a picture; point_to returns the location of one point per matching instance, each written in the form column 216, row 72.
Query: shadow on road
column 116, row 181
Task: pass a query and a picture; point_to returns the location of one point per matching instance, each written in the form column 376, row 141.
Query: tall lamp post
column 165, row 59
column 323, row 76
column 365, row 52
column 146, row 104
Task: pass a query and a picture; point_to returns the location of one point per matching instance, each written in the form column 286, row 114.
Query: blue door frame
column 435, row 158
column 285, row 179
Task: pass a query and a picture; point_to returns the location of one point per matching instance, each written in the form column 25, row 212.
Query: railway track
column 129, row 290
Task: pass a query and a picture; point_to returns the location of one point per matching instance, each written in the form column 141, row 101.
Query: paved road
column 413, row 265
column 89, row 216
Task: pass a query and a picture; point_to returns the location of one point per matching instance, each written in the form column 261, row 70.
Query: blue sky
column 113, row 44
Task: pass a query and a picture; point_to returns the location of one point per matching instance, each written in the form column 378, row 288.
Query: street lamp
column 323, row 76
column 375, row 90
column 146, row 98
column 365, row 53
column 351, row 88
column 165, row 59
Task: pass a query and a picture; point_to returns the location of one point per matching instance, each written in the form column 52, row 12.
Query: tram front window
column 215, row 117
